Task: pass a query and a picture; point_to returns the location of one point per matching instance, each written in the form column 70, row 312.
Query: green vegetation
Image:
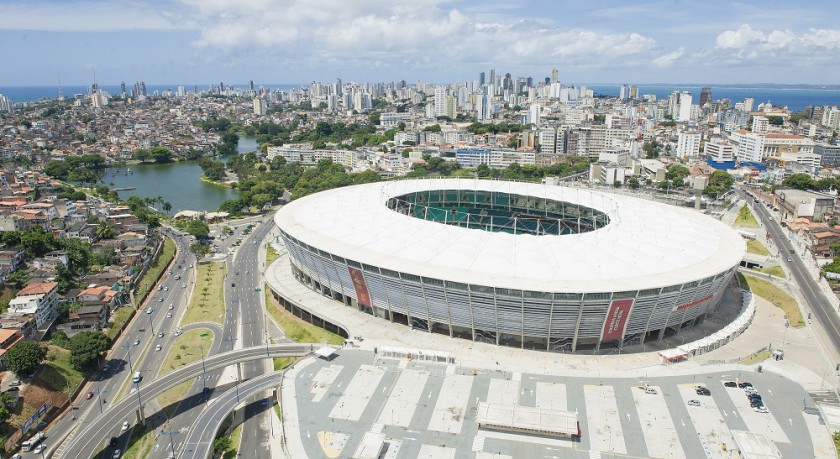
column 155, row 269
column 185, row 350
column 58, row 372
column 213, row 170
column 296, row 329
column 495, row 128
column 836, row 437
column 773, row 271
column 235, row 438
column 207, row 303
column 80, row 169
column 194, row 226
column 157, row 155
column 652, row 149
column 140, row 443
column 745, row 218
column 437, row 166
column 270, row 255
column 24, row 357
column 778, row 297
column 119, row 319
column 759, row 357
column 85, row 348
column 757, row 248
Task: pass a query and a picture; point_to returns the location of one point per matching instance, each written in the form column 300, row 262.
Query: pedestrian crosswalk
column 594, row 455
column 478, row 443
column 377, row 428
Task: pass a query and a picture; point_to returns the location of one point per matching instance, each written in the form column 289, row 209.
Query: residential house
column 38, row 299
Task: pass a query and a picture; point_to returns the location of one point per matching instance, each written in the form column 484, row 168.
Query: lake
column 177, row 183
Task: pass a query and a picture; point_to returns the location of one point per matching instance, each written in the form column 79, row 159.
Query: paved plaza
column 429, row 410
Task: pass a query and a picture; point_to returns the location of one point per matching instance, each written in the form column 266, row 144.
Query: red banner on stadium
column 693, row 303
column 362, row 293
column 616, row 320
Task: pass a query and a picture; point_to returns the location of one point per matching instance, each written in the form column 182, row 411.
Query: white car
column 761, row 409
column 39, row 449
column 694, row 403
column 650, row 390
column 124, row 426
column 171, row 307
column 158, row 348
column 148, row 310
column 178, row 332
column 168, row 315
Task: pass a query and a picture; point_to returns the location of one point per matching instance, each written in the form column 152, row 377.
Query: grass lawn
column 184, row 351
column 296, row 329
column 58, row 373
column 156, row 268
column 755, row 247
column 235, row 438
column 140, row 443
column 745, row 218
column 120, row 317
column 270, row 254
column 207, row 303
column 760, row 357
column 7, row 293
column 775, row 271
column 778, row 297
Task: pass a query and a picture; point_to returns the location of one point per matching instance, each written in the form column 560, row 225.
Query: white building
column 688, row 144
column 760, row 124
column 38, row 299
column 308, row 157
column 260, row 107
column 750, row 145
column 719, row 150
column 684, row 111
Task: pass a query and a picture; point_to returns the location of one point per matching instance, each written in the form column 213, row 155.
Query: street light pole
column 203, row 374
column 128, row 353
column 236, row 379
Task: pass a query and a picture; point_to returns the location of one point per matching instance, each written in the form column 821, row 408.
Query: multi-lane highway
column 88, row 440
column 242, row 327
column 200, row 439
column 819, row 304
column 125, row 356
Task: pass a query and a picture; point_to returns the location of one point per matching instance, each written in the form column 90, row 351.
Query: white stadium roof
column 645, row 245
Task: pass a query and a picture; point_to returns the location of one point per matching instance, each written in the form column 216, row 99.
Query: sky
column 437, row 41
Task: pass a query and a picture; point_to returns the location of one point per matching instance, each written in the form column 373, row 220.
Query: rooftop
column 644, row 245
column 37, row 288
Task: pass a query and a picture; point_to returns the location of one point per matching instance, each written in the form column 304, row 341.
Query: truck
column 32, row 442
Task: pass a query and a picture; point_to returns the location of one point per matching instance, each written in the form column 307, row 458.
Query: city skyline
column 168, row 41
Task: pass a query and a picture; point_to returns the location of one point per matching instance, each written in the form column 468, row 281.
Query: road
column 246, row 296
column 819, row 304
column 242, row 328
column 200, row 439
column 87, row 441
column 125, row 357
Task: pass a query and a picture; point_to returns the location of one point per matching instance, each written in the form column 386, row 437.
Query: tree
column 432, row 128
column 18, row 278
column 199, row 249
column 677, row 171
column 105, row 230
column 85, row 348
column 221, row 444
column 633, row 183
column 24, row 357
column 799, row 181
column 37, row 242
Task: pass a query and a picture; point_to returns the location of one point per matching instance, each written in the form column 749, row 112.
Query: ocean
column 33, row 93
column 796, row 99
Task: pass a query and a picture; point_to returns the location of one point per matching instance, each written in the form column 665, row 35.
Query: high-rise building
column 122, row 89
column 181, row 92
column 143, row 88
column 623, row 92
column 705, row 96
column 555, row 75
column 250, row 85
column 684, row 113
column 688, row 144
column 492, row 76
column 634, row 92
column 440, row 101
column 481, row 79
column 260, row 106
column 5, row 104
column 720, row 151
column 749, row 102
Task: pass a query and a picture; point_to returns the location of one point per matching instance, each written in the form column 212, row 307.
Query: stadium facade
column 515, row 264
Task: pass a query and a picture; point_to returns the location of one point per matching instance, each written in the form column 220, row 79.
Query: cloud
column 669, row 59
column 777, row 46
column 82, row 16
column 399, row 32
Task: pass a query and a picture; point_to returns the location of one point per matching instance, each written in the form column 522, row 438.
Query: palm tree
column 167, row 206
column 105, row 230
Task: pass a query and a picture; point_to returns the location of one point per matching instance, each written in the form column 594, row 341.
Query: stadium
column 514, row 264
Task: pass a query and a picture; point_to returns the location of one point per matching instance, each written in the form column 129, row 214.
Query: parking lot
column 429, row 410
